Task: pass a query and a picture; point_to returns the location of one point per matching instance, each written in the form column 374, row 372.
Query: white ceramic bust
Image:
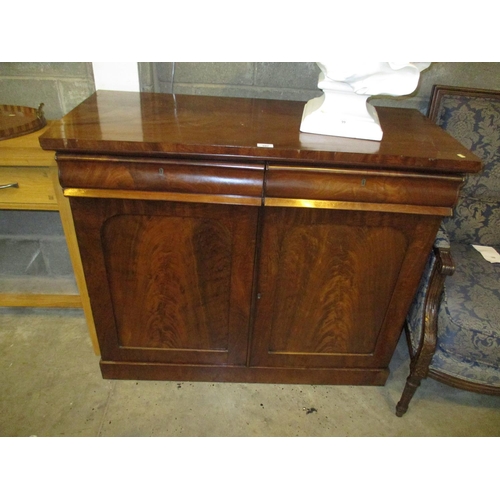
column 343, row 109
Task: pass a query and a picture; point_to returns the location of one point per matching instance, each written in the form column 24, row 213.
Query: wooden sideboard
column 220, row 243
column 29, row 181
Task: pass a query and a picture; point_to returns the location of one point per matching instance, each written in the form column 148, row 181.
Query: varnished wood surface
column 247, row 180
column 118, row 194
column 179, row 278
column 19, row 120
column 357, row 206
column 362, row 185
column 34, row 190
column 39, row 300
column 174, row 176
column 254, row 374
column 25, row 151
column 203, row 126
column 334, row 287
column 74, row 253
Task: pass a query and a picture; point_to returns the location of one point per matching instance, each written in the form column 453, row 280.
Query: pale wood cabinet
column 29, row 181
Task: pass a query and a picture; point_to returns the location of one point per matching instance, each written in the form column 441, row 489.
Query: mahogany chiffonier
column 221, row 244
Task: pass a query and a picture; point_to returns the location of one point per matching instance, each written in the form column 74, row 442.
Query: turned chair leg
column 421, row 360
column 412, row 384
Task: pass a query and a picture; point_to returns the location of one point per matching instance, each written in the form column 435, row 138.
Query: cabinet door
column 334, row 286
column 168, row 282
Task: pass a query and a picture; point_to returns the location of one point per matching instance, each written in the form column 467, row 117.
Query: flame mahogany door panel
column 334, row 285
column 169, row 282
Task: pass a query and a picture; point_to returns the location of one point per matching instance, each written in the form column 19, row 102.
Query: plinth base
column 337, row 116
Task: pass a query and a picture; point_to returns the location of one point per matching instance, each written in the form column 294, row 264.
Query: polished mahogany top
column 192, row 126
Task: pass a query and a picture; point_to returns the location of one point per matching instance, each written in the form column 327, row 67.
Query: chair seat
column 465, row 369
column 469, row 319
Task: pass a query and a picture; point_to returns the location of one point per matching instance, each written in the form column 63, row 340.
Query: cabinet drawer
column 34, row 192
column 361, row 189
column 174, row 176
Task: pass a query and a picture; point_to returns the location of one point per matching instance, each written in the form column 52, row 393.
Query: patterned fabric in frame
column 468, row 336
column 475, row 122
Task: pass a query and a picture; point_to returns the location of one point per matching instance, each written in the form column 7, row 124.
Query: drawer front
column 174, row 176
column 363, row 187
column 34, row 188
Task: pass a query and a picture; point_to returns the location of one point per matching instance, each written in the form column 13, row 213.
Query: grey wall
column 279, row 80
column 33, row 243
column 298, row 80
column 462, row 74
column 60, row 86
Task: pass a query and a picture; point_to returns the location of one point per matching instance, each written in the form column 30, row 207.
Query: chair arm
column 442, row 267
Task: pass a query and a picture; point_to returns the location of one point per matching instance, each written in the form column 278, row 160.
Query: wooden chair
column 453, row 327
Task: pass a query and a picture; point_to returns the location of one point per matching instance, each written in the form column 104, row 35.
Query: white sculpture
column 343, row 109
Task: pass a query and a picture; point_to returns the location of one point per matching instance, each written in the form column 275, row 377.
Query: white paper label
column 489, row 253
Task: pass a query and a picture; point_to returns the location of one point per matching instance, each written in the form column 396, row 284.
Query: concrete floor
column 50, row 385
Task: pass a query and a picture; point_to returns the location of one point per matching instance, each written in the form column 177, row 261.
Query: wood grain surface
column 223, row 127
column 334, row 285
column 178, row 278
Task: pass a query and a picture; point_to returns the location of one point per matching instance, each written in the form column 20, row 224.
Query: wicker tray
column 19, row 120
